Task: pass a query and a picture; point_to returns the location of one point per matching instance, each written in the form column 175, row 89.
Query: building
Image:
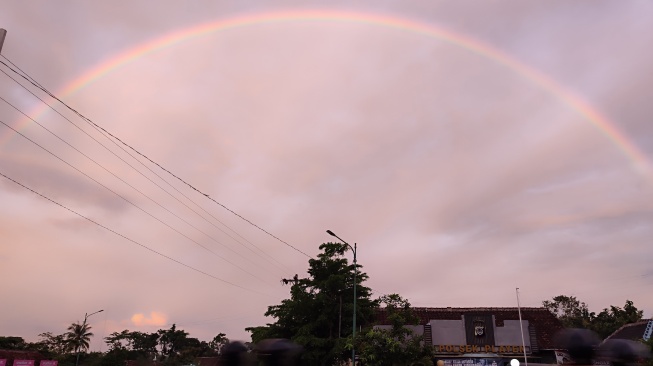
column 634, row 331
column 486, row 336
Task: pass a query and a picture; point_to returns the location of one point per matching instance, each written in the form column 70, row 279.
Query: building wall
column 448, row 331
column 416, row 329
column 510, row 333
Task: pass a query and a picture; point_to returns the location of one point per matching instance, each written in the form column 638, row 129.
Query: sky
column 468, row 150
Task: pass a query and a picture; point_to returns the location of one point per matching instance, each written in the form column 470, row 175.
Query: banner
column 3, row 362
column 472, row 362
column 563, row 358
column 23, row 362
column 48, row 363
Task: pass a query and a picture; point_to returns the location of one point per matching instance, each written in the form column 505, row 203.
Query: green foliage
column 575, row 314
column 397, row 345
column 609, row 320
column 13, row 343
column 218, row 342
column 128, row 345
column 54, row 344
column 570, row 311
column 319, row 313
column 177, row 348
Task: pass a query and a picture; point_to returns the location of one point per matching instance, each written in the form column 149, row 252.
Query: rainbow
column 638, row 159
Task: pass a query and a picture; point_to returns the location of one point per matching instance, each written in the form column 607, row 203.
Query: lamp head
column 330, row 233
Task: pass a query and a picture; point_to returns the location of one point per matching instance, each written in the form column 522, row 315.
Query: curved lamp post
column 353, row 333
column 84, row 326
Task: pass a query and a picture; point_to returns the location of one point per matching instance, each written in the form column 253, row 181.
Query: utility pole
column 521, row 327
column 86, row 315
column 3, row 34
column 353, row 332
column 294, row 280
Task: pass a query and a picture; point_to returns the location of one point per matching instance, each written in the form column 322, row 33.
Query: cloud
column 156, row 318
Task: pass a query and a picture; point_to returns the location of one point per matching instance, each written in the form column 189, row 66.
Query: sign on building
column 3, row 362
column 48, row 363
column 471, row 362
column 23, row 362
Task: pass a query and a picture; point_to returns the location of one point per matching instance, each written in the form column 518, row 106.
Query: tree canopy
column 575, row 314
column 318, row 315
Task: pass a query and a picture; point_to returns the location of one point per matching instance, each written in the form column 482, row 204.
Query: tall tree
column 571, row 312
column 79, row 336
column 319, row 313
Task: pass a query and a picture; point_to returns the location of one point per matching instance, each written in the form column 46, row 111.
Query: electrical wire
column 145, row 176
column 36, row 84
column 131, row 203
column 115, row 175
column 134, row 241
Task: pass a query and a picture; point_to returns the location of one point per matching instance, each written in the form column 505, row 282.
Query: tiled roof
column 20, row 355
column 545, row 323
column 632, row 331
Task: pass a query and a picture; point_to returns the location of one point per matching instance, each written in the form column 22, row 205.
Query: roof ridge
column 478, row 308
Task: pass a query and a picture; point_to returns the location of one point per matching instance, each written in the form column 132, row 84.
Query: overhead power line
column 125, row 182
column 134, row 241
column 130, row 202
column 260, row 251
column 36, row 84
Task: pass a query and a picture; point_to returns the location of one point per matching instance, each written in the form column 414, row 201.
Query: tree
column 575, row 314
column 609, row 320
column 13, row 343
column 218, row 342
column 128, row 345
column 177, row 348
column 56, row 344
column 313, row 316
column 571, row 312
column 396, row 345
column 79, row 336
column 171, row 341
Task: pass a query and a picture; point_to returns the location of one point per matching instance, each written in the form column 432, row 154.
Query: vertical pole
column 521, row 327
column 353, row 352
column 340, row 318
column 3, row 34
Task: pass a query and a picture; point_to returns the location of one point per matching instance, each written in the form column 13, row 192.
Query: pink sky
column 459, row 179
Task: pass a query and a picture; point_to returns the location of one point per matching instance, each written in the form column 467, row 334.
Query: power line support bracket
column 3, row 34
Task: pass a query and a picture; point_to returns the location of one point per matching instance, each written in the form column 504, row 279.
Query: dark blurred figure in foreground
column 623, row 352
column 278, row 352
column 269, row 352
column 236, row 354
column 584, row 347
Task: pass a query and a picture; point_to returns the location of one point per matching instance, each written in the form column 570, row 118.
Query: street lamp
column 86, row 315
column 353, row 352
